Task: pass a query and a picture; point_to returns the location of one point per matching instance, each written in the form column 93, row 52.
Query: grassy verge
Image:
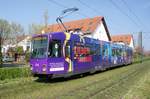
column 14, row 72
column 113, row 84
column 138, row 59
column 141, row 90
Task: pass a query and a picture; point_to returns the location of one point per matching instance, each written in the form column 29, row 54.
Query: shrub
column 14, row 72
column 27, row 56
column 19, row 50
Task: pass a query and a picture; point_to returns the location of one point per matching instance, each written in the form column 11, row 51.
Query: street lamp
column 65, row 13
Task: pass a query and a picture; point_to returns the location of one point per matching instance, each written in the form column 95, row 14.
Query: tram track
column 102, row 89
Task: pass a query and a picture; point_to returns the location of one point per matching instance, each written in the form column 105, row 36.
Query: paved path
column 10, row 64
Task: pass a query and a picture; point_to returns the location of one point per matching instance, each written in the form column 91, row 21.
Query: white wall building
column 125, row 38
column 25, row 43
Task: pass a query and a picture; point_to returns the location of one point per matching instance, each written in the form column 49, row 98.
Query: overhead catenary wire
column 64, row 6
column 132, row 12
column 124, row 13
column 98, row 12
column 86, row 5
column 57, row 3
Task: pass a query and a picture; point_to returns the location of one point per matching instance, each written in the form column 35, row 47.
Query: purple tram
column 62, row 54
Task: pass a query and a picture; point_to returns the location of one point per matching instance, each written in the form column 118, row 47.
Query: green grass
column 137, row 59
column 129, row 82
column 140, row 90
column 14, row 72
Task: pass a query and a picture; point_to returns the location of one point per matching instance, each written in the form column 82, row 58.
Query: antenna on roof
column 65, row 13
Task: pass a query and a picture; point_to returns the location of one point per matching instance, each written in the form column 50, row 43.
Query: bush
column 27, row 56
column 19, row 50
column 14, row 72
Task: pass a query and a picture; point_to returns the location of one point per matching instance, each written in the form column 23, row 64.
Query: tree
column 16, row 30
column 19, row 50
column 35, row 28
column 8, row 33
column 4, row 34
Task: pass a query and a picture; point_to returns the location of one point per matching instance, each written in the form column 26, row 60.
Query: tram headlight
column 44, row 68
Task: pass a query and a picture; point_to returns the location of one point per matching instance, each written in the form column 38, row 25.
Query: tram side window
column 118, row 52
column 92, row 50
column 81, row 51
column 113, row 52
column 86, row 50
column 122, row 52
column 105, row 50
column 97, row 50
column 55, row 48
column 76, row 50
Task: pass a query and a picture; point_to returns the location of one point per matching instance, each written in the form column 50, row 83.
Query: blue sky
column 26, row 12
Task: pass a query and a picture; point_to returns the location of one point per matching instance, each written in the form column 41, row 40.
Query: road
column 11, row 64
column 120, row 83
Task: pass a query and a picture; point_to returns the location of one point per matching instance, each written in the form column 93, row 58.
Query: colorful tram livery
column 62, row 54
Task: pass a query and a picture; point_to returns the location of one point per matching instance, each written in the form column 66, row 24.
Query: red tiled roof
column 87, row 25
column 21, row 37
column 125, row 38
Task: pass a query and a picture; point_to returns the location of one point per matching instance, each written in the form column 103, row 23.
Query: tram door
column 105, row 55
column 68, row 56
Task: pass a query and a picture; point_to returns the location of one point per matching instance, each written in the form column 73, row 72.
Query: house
column 90, row 27
column 124, row 38
column 25, row 43
column 5, row 48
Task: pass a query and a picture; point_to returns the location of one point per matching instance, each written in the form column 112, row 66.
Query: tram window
column 118, row 52
column 54, row 48
column 122, row 53
column 67, row 50
column 113, row 52
column 97, row 50
column 81, row 51
column 105, row 50
column 77, row 50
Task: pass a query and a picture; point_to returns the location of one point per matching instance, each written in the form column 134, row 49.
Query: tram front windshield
column 39, row 47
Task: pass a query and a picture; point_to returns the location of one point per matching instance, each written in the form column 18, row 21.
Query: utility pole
column 140, row 46
column 46, row 18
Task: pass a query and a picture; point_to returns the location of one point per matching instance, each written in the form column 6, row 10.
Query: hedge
column 14, row 72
